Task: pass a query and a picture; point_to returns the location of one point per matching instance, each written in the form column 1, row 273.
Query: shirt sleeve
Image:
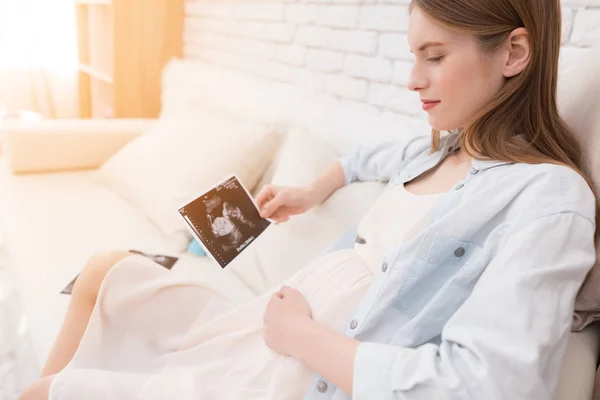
column 382, row 161
column 508, row 338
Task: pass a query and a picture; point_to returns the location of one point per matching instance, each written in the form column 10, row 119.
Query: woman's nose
column 417, row 81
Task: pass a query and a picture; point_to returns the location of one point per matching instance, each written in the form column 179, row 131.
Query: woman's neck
column 459, row 157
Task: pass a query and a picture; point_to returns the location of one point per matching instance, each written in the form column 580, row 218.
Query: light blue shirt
column 479, row 304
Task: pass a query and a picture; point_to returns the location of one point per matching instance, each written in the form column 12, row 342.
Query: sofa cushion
column 576, row 381
column 579, row 104
column 179, row 158
column 69, row 216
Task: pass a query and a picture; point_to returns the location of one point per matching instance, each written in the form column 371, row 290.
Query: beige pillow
column 178, row 158
column 579, row 104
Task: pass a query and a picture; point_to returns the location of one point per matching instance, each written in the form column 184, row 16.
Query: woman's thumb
column 271, row 206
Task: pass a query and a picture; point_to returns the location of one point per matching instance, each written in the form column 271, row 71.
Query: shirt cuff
column 346, row 163
column 373, row 366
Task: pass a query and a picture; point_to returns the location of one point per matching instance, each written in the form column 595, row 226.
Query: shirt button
column 360, row 240
column 459, row 252
column 353, row 324
column 474, row 171
column 459, row 187
column 384, row 267
column 321, row 387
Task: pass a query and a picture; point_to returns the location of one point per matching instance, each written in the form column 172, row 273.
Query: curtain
column 38, row 58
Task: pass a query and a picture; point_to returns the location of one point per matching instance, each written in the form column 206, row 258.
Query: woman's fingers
column 281, row 215
column 276, row 203
column 271, row 206
column 283, row 289
column 277, row 295
column 265, row 194
column 284, row 219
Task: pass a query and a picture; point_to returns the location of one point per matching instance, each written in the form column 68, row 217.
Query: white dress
column 153, row 335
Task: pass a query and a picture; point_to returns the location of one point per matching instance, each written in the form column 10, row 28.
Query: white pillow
column 178, row 158
column 283, row 249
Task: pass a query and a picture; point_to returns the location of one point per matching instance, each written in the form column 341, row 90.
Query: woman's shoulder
column 549, row 186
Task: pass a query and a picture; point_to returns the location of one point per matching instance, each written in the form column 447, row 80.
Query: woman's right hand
column 281, row 202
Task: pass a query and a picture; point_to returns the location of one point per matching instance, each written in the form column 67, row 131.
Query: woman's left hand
column 286, row 312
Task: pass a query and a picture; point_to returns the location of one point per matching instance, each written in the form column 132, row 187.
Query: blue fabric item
column 195, row 248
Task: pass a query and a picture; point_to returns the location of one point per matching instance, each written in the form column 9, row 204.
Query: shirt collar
column 452, row 140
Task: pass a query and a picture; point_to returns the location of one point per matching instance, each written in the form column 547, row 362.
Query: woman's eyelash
column 435, row 59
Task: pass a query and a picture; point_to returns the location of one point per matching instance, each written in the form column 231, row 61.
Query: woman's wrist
column 328, row 352
column 302, row 330
column 326, row 184
column 316, row 195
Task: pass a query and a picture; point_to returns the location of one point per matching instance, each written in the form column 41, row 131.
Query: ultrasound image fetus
column 229, row 226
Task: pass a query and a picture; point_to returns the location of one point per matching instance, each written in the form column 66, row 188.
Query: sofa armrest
column 59, row 145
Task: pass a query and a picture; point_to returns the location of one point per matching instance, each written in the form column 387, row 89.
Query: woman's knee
column 91, row 277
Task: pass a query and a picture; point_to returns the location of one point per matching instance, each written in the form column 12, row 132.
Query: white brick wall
column 355, row 50
column 325, row 60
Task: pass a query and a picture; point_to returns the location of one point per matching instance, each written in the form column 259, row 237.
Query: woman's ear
column 519, row 52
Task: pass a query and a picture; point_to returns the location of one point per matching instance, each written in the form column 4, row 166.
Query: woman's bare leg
column 83, row 299
column 40, row 390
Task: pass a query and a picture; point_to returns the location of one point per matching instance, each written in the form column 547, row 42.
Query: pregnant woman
column 460, row 284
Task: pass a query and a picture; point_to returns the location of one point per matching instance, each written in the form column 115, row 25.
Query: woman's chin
column 441, row 125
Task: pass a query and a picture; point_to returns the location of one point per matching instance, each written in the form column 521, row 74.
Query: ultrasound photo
column 224, row 220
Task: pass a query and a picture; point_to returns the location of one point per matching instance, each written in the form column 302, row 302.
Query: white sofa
column 52, row 219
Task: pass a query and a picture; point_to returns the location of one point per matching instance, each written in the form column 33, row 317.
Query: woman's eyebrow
column 429, row 44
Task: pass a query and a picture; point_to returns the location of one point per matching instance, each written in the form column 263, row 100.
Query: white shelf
column 123, row 47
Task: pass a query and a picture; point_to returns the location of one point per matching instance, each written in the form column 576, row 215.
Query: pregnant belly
column 333, row 285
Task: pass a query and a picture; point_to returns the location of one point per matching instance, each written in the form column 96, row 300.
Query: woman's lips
column 428, row 105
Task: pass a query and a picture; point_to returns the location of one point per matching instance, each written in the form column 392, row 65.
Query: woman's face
column 453, row 76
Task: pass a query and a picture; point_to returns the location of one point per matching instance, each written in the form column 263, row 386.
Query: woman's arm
column 368, row 163
column 382, row 161
column 327, row 183
column 329, row 353
column 505, row 342
column 281, row 202
column 289, row 329
column 508, row 338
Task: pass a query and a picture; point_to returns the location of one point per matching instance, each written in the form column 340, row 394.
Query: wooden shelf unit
column 123, row 47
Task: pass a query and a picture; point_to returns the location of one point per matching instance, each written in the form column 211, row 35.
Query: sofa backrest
column 341, row 125
column 579, row 105
column 194, row 84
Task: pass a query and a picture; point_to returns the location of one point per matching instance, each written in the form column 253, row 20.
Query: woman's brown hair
column 527, row 102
